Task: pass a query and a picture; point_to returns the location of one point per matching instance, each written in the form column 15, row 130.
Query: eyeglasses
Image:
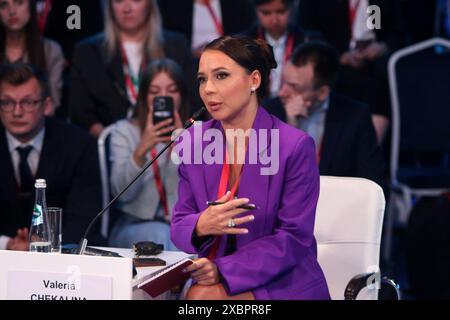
column 300, row 89
column 28, row 105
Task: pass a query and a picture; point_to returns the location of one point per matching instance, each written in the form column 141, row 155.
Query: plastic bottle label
column 38, row 217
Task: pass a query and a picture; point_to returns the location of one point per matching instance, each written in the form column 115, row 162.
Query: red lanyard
column 217, row 23
column 352, row 10
column 160, row 186
column 223, row 185
column 289, row 48
column 319, row 151
column 42, row 20
column 131, row 82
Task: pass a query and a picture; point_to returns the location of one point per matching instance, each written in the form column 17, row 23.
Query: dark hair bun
column 250, row 54
column 267, row 53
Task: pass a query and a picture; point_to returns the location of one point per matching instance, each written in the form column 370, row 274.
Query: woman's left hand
column 204, row 272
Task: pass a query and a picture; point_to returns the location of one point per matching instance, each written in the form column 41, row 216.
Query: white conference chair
column 103, row 156
column 349, row 220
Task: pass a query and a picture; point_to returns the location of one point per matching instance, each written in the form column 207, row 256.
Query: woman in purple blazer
column 268, row 252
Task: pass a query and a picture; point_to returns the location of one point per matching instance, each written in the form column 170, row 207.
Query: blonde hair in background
column 153, row 39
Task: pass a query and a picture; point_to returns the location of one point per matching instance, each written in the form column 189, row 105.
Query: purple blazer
column 277, row 259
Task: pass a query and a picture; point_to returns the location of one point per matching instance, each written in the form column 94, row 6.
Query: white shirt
column 204, row 29
column 314, row 125
column 33, row 162
column 133, row 50
column 33, row 157
column 360, row 31
column 278, row 46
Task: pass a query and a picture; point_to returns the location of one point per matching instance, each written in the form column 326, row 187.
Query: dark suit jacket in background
column 419, row 17
column 69, row 163
column 237, row 15
column 349, row 146
column 296, row 31
column 369, row 83
column 97, row 87
column 91, row 23
column 330, row 18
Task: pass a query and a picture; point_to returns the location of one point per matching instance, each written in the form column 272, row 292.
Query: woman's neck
column 15, row 45
column 132, row 36
column 237, row 141
column 243, row 120
column 16, row 39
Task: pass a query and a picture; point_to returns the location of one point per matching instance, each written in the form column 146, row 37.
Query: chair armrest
column 360, row 281
column 356, row 284
column 389, row 290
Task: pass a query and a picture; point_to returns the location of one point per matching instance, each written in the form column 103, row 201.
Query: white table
column 143, row 272
column 23, row 275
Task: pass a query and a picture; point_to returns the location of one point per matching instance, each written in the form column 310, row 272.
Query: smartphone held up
column 163, row 109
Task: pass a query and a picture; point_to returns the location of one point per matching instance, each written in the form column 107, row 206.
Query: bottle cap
column 40, row 183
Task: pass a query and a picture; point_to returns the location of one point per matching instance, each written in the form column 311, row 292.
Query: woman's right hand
column 214, row 220
column 151, row 136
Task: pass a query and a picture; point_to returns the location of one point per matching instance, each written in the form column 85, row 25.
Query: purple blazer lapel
column 253, row 184
column 211, row 176
column 212, row 172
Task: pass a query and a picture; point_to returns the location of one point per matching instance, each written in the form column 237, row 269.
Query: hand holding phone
column 163, row 109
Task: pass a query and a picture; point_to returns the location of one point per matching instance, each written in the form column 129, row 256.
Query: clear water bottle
column 40, row 230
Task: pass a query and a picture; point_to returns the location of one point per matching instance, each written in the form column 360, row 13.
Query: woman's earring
column 253, row 90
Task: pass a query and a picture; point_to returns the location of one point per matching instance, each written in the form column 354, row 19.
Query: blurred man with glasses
column 34, row 146
column 344, row 135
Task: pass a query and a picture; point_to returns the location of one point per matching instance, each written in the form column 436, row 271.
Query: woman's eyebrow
column 219, row 69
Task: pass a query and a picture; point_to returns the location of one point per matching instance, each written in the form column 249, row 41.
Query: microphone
column 83, row 242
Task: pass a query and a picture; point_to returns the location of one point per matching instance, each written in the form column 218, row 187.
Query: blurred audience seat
column 419, row 80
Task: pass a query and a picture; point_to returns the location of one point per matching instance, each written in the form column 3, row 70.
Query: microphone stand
column 83, row 242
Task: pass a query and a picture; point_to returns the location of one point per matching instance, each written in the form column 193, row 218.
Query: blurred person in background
column 33, row 145
column 341, row 127
column 202, row 21
column 364, row 51
column 145, row 209
column 106, row 68
column 53, row 17
column 21, row 40
column 274, row 26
